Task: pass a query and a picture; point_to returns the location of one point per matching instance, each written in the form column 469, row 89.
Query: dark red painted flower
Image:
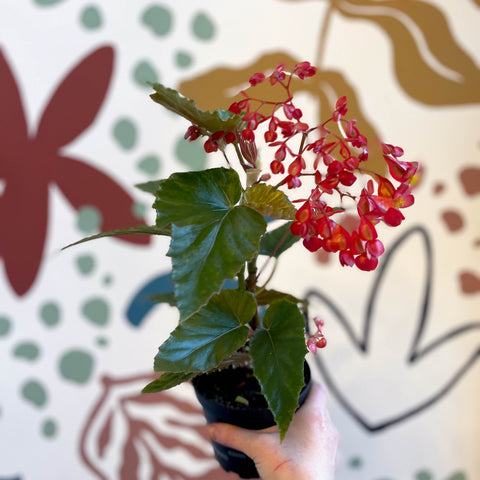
column 30, row 162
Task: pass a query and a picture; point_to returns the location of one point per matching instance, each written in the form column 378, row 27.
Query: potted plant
column 227, row 223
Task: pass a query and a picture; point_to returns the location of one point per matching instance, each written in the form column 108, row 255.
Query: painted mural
column 78, row 328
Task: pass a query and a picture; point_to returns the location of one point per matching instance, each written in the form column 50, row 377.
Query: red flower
column 29, row 163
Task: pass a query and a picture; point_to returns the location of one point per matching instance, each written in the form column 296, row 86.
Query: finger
column 247, row 441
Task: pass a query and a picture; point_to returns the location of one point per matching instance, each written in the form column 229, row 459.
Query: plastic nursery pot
column 233, row 396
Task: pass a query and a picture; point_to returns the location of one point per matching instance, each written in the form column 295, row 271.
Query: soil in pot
column 233, row 396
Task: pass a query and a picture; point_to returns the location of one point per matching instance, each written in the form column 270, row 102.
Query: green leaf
column 212, row 237
column 269, row 201
column 274, row 243
column 278, row 353
column 142, row 229
column 211, row 121
column 266, row 297
column 149, row 187
column 167, row 380
column 203, row 340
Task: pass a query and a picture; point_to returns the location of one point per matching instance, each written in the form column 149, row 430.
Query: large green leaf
column 212, row 237
column 278, row 353
column 277, row 241
column 203, row 340
column 167, row 380
column 218, row 120
column 269, row 201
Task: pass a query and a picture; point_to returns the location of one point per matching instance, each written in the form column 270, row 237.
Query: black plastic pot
column 216, row 393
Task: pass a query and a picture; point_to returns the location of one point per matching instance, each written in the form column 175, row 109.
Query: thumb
column 247, row 441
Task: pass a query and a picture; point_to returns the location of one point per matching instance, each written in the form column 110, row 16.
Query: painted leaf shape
column 113, row 202
column 278, row 353
column 404, row 368
column 13, row 126
column 75, row 104
column 203, row 340
column 429, row 63
column 326, row 87
column 269, row 201
column 212, row 237
column 163, row 433
column 214, row 121
column 24, row 226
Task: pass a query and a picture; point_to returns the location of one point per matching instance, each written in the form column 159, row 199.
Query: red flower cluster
column 331, row 154
column 317, row 340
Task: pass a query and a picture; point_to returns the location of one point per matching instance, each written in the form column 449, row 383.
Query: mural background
column 77, row 131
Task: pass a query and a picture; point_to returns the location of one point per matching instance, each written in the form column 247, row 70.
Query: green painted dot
column 49, row 428
column 183, row 59
column 107, row 280
column 355, row 462
column 76, row 366
column 150, row 164
column 89, row 219
column 139, row 210
column 423, row 475
column 91, row 17
column 125, row 133
column 47, row 2
column 50, row 314
column 191, row 154
column 34, row 393
column 97, row 311
column 203, row 27
column 102, row 341
column 457, row 476
column 143, row 73
column 5, row 326
column 85, row 264
column 27, row 351
column 158, row 19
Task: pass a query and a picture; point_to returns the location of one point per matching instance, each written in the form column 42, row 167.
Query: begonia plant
column 281, row 171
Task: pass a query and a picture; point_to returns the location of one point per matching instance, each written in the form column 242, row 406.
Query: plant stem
column 251, row 283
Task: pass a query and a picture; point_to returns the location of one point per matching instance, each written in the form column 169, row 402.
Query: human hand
column 307, row 452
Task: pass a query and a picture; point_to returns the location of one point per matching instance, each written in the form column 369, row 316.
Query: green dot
column 76, row 366
column 423, row 475
column 150, row 164
column 85, row 264
column 143, row 73
column 125, row 133
column 47, row 2
column 183, row 59
column 102, row 341
column 191, row 154
column 96, row 310
column 89, row 219
column 355, row 462
column 458, row 476
column 27, row 351
column 139, row 210
column 5, row 326
column 91, row 17
column 158, row 19
column 50, row 314
column 107, row 280
column 34, row 393
column 49, row 428
column 203, row 27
